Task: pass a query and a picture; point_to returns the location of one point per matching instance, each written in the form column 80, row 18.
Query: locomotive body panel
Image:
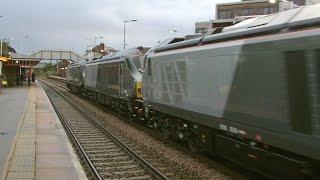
column 114, row 79
column 249, row 84
column 74, row 75
column 91, row 76
column 116, row 75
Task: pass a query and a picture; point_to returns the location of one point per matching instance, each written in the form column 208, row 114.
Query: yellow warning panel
column 4, row 59
column 4, row 83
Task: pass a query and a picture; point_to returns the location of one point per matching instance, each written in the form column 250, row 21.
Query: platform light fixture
column 124, row 31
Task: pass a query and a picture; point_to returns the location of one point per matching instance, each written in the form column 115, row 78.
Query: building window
column 298, row 2
column 238, row 12
column 222, row 14
column 225, row 14
column 201, row 30
column 232, row 14
column 267, row 10
column 247, row 12
column 228, row 14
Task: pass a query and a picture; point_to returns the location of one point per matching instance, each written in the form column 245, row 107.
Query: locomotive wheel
column 152, row 124
column 194, row 145
column 165, row 134
column 129, row 116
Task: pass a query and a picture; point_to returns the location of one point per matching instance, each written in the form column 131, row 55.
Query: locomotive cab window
column 128, row 65
column 149, row 66
column 298, row 91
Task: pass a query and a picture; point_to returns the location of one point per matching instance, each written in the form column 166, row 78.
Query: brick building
column 226, row 13
column 204, row 27
column 98, row 51
column 253, row 7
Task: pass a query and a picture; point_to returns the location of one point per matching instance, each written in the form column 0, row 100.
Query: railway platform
column 39, row 147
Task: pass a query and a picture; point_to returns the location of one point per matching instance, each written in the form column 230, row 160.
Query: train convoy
column 249, row 92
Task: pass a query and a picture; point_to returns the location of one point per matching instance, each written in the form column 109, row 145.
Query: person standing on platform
column 33, row 76
column 21, row 78
column 29, row 76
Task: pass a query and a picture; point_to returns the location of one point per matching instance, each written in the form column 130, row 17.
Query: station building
column 227, row 14
column 16, row 66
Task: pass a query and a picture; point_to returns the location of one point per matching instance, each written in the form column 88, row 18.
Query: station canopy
column 20, row 60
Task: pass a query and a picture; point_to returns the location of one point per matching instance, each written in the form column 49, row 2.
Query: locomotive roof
column 77, row 64
column 306, row 16
column 123, row 53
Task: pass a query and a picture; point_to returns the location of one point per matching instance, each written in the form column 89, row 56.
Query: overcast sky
column 69, row 24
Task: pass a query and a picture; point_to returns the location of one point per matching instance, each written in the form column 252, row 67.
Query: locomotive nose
column 138, row 89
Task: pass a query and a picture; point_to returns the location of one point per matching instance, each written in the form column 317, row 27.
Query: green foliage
column 46, row 70
column 6, row 48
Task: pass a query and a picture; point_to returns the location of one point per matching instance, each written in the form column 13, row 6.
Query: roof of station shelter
column 21, row 60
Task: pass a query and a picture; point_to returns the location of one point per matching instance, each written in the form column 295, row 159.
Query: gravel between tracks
column 183, row 164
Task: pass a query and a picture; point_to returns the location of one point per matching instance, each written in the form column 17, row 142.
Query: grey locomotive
column 115, row 80
column 249, row 92
column 75, row 77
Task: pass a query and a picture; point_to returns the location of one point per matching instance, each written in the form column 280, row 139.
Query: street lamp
column 124, row 31
column 21, row 43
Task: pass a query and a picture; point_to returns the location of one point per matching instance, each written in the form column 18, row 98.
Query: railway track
column 227, row 169
column 107, row 156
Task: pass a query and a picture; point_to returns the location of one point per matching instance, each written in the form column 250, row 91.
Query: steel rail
column 74, row 138
column 223, row 168
column 214, row 163
column 155, row 172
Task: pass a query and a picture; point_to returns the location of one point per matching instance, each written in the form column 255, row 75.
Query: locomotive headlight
column 138, row 89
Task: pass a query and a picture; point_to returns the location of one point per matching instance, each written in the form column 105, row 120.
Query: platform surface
column 41, row 149
column 12, row 106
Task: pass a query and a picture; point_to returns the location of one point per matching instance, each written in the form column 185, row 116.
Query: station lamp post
column 124, row 31
column 25, row 37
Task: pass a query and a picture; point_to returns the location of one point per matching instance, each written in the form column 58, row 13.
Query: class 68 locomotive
column 114, row 80
column 249, row 92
